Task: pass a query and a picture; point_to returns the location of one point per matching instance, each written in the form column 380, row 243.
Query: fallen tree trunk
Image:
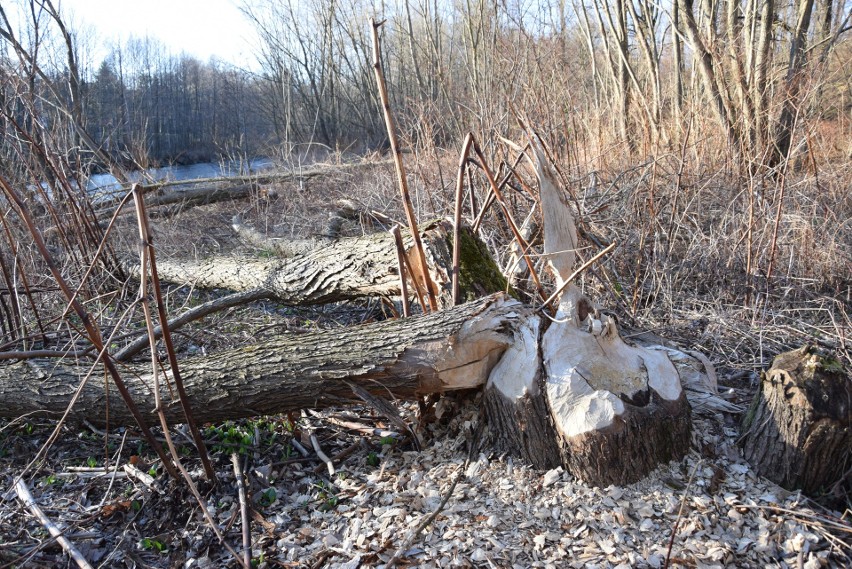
column 205, row 191
column 444, row 351
column 496, row 342
column 341, row 270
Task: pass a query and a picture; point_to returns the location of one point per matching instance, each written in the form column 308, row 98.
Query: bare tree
column 790, row 108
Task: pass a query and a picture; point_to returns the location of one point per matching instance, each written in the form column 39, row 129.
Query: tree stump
column 608, row 412
column 576, row 394
column 798, row 430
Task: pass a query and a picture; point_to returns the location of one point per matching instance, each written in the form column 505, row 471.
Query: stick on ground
column 27, row 498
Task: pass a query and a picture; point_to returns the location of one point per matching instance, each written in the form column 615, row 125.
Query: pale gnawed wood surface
column 577, row 394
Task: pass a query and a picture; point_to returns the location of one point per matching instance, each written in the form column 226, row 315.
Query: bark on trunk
column 342, row 270
column 795, row 77
column 704, row 61
column 444, row 351
column 798, row 431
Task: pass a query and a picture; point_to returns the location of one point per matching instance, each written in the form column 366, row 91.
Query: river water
column 104, row 186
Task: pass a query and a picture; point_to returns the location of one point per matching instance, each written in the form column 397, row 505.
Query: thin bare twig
column 489, row 198
column 498, row 195
column 680, row 513
column 473, row 448
column 196, row 313
column 341, row 455
column 575, row 274
column 321, row 455
column 486, row 204
column 149, row 254
column 244, row 512
column 31, row 354
column 774, row 243
column 145, row 257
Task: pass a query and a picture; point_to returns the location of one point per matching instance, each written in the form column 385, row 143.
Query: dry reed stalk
column 468, row 140
column 400, row 168
column 400, row 263
column 149, row 253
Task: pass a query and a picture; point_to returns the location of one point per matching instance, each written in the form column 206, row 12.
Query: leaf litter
column 501, row 513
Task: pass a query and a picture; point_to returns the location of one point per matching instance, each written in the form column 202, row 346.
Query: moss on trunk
column 479, row 275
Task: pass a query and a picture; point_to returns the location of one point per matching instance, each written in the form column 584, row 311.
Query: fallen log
column 496, row 341
column 288, row 247
column 204, row 191
column 342, row 269
column 441, row 352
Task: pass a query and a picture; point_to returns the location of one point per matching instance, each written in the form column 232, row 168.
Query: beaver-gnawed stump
column 798, row 430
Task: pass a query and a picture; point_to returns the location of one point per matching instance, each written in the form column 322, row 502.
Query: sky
column 201, row 28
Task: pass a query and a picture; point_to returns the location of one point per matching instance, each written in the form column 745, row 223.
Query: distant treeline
column 631, row 76
column 146, row 105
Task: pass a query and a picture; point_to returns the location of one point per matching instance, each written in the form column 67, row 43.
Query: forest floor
column 708, row 510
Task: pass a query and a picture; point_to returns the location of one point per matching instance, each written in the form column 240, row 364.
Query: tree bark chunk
column 798, row 430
